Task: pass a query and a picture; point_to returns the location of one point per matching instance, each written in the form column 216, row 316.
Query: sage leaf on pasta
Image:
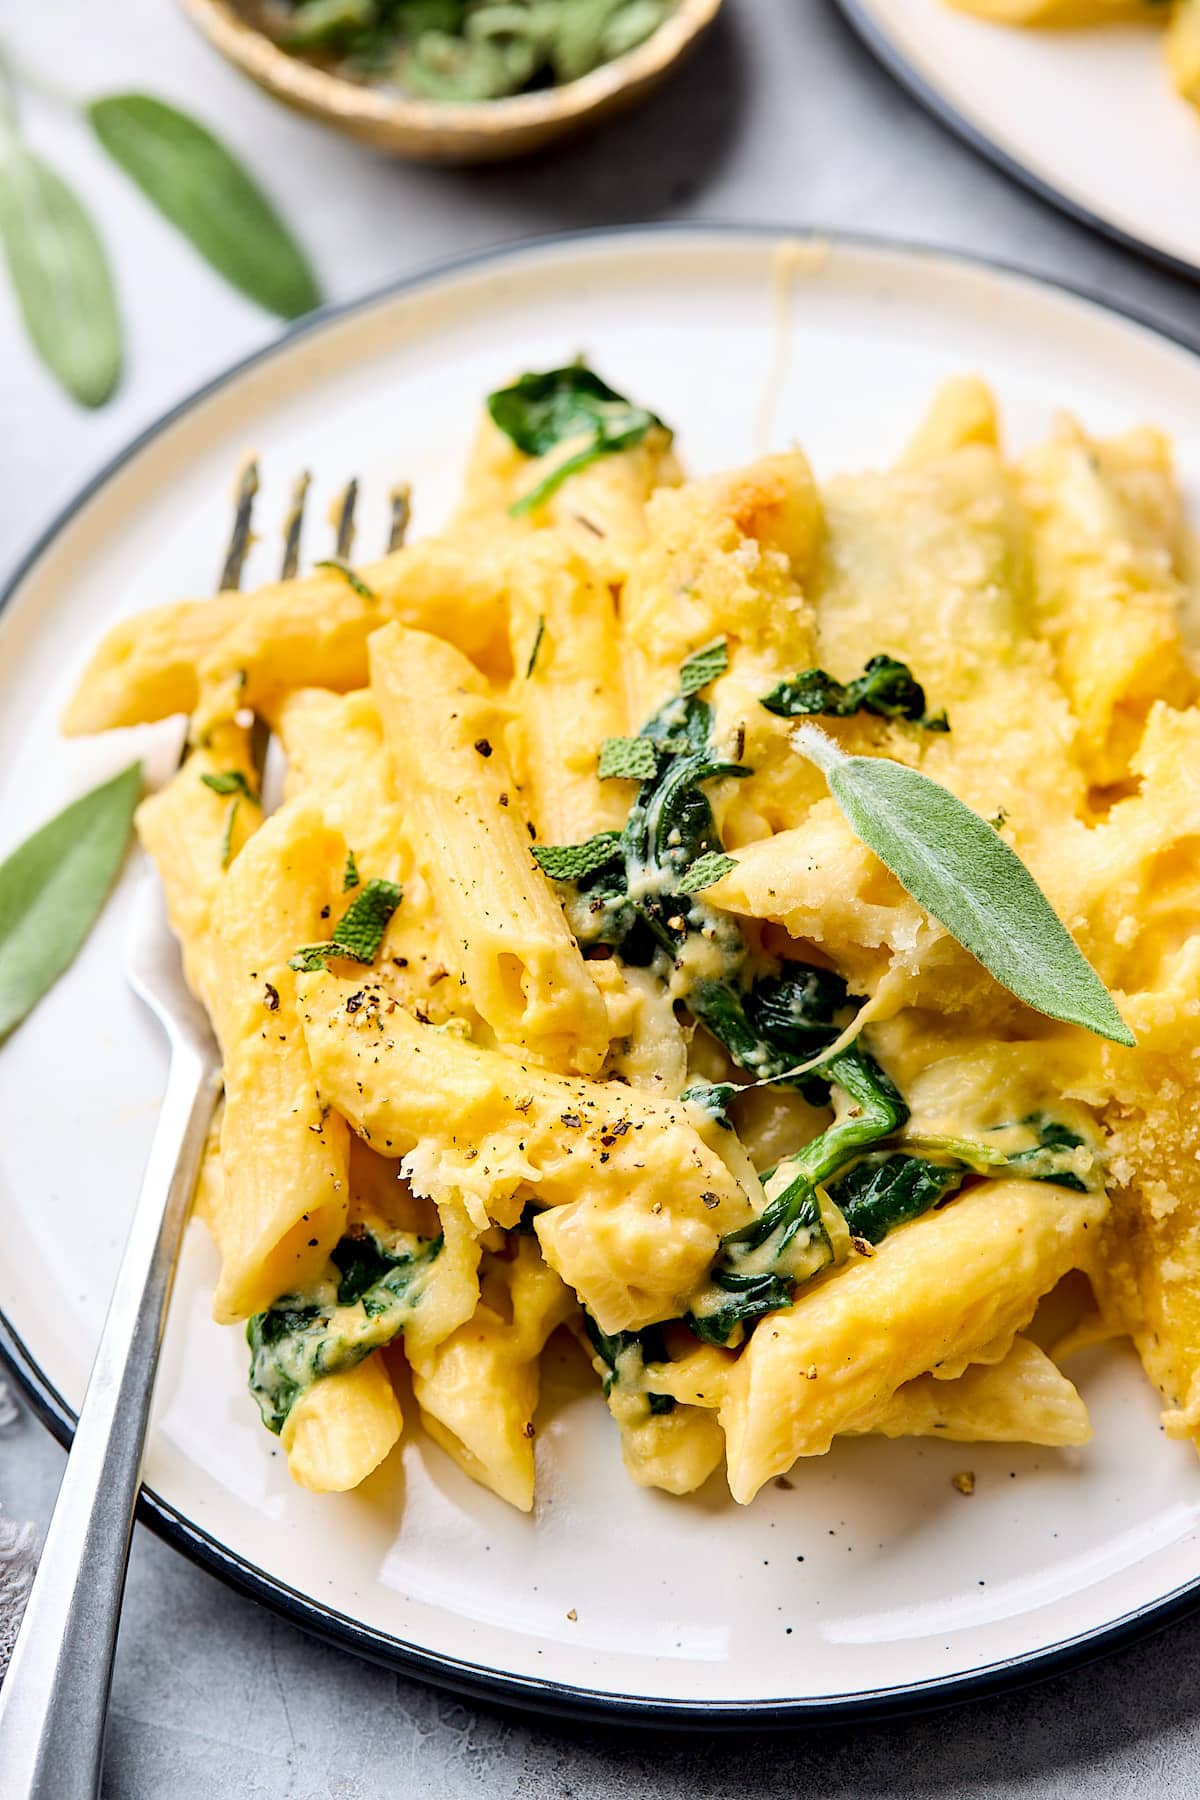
column 53, row 886
column 208, row 196
column 957, row 867
column 59, row 273
column 359, row 932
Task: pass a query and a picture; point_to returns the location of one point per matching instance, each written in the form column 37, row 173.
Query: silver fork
column 54, row 1699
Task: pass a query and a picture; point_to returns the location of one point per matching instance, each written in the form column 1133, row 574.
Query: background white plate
column 1086, row 117
column 870, row 1583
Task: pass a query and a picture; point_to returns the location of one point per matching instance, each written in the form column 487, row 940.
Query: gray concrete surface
column 781, row 118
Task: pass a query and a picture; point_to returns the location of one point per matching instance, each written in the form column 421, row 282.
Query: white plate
column 871, row 1583
column 1086, row 117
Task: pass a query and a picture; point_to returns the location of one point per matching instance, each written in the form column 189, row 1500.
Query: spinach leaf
column 761, row 1263
column 779, row 1021
column 734, row 1303
column 1052, row 1156
column 1045, row 1160
column 885, row 1191
column 303, row 1337
column 624, row 1355
column 886, row 687
column 713, row 1098
column 540, row 412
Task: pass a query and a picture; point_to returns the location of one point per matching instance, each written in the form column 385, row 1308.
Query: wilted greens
column 886, row 688
column 572, row 408
column 364, row 1303
column 637, row 894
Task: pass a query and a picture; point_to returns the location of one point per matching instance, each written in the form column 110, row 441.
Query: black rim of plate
column 530, row 1693
column 873, row 34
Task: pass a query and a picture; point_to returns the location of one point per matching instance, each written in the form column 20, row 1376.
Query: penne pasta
column 565, row 988
column 504, row 929
column 341, row 1428
column 478, row 1388
column 1021, row 1399
column 284, row 1153
column 193, row 827
column 935, row 1292
column 290, row 634
column 567, row 691
column 643, row 1197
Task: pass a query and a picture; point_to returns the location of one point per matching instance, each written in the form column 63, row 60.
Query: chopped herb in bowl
column 465, row 50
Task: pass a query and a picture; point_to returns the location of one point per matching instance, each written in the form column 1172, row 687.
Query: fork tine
column 344, row 518
column 240, row 537
column 293, row 525
column 400, row 499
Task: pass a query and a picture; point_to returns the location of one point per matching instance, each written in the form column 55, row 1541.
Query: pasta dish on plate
column 750, row 925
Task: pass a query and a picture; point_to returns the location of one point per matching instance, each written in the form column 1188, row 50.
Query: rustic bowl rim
column 347, row 102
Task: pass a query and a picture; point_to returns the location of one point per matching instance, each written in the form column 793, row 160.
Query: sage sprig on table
column 53, row 886
column 956, row 866
column 59, row 272
column 201, row 189
column 56, row 260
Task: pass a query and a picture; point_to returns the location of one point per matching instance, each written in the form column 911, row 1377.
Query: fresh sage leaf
column 571, row 862
column 956, row 866
column 310, row 959
column 359, row 932
column 227, row 835
column 206, row 194
column 538, row 635
column 59, row 274
column 53, row 886
column 706, row 870
column 627, row 759
column 703, row 666
column 230, row 781
column 348, row 576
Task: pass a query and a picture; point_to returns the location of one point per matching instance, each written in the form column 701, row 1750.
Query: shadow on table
column 642, row 165
column 1012, row 1741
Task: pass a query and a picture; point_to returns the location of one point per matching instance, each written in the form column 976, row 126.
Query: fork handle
column 54, row 1700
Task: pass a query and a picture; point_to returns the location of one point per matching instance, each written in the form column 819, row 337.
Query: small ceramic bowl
column 442, row 130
